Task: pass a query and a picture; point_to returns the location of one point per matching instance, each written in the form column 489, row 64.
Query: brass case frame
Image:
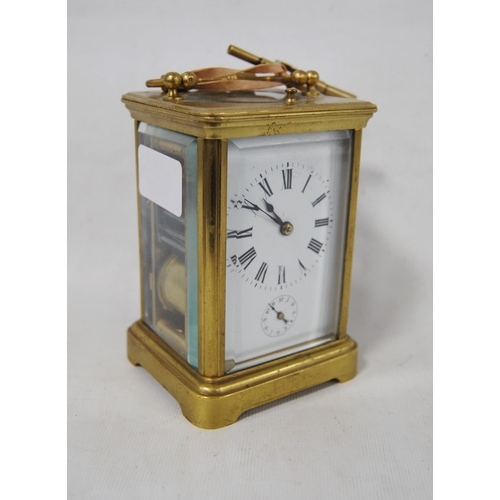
column 209, row 398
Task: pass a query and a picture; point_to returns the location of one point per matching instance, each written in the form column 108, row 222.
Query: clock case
column 209, row 397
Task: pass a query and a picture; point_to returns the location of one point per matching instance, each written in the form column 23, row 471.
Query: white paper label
column 160, row 179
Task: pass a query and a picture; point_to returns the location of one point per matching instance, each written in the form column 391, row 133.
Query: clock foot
column 212, row 403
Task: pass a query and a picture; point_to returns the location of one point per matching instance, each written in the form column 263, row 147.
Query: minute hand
column 252, row 206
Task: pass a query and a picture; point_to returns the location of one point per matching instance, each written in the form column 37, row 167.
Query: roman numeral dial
column 279, row 224
column 286, row 222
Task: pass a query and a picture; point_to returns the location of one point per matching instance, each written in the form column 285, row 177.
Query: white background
column 369, row 438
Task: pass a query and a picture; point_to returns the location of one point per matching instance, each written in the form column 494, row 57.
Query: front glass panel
column 167, row 177
column 287, row 210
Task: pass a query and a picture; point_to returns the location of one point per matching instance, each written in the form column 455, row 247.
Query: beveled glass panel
column 287, row 204
column 167, row 177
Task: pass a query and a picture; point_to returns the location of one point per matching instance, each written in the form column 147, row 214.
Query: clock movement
column 247, row 187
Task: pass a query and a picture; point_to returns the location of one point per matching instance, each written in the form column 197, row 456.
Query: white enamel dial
column 286, row 212
column 279, row 226
column 279, row 315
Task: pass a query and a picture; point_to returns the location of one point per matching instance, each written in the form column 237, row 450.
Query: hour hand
column 270, row 209
column 255, row 208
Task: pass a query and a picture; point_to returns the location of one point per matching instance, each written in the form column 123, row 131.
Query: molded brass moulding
column 212, row 403
column 212, row 165
column 351, row 226
column 232, row 120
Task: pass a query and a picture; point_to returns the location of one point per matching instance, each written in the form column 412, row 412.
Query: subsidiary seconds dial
column 278, row 225
column 279, row 316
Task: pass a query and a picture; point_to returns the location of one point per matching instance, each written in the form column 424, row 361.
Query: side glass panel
column 167, row 177
column 286, row 227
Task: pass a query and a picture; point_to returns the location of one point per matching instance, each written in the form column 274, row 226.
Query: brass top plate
column 217, row 115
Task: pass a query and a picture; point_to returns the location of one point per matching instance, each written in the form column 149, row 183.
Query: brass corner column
column 212, row 165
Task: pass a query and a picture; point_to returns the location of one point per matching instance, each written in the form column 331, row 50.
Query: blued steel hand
column 252, row 206
column 270, row 209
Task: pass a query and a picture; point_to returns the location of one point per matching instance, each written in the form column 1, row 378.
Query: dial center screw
column 287, row 228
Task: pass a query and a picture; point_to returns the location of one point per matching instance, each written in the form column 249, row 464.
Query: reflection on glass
column 169, row 264
column 286, row 225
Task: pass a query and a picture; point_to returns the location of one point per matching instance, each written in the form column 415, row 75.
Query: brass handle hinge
column 320, row 86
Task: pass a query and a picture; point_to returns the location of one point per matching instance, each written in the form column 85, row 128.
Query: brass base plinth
column 212, row 403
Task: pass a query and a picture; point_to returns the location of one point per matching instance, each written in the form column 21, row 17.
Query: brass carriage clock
column 247, row 203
